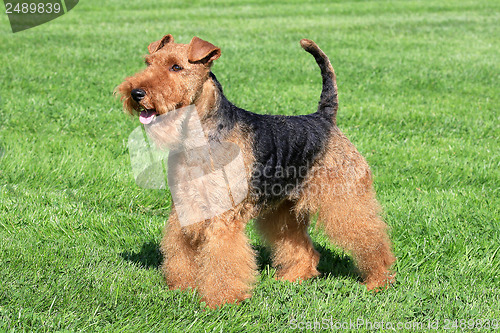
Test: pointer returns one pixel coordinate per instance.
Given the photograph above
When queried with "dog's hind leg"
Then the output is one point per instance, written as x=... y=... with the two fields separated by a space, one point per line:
x=349 y=214
x=292 y=250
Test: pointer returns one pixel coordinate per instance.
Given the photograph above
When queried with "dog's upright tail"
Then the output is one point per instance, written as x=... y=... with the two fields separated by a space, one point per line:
x=329 y=101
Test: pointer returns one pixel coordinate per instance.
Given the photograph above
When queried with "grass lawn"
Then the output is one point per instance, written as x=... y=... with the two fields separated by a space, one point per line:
x=419 y=97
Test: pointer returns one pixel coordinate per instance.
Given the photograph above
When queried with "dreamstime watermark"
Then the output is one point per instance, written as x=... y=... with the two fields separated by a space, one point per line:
x=26 y=14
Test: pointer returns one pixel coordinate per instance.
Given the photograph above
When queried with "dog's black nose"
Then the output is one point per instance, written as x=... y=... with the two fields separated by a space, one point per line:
x=138 y=94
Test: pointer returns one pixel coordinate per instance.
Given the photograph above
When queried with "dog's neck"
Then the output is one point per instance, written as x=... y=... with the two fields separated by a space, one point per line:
x=215 y=110
x=206 y=101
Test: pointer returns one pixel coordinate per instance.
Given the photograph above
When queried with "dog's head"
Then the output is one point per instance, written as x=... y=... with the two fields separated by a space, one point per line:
x=174 y=77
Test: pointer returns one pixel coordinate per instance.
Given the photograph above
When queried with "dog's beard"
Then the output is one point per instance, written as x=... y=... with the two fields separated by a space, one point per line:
x=176 y=129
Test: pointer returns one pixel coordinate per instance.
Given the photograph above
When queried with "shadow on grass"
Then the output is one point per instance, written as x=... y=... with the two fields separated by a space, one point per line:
x=330 y=263
x=148 y=257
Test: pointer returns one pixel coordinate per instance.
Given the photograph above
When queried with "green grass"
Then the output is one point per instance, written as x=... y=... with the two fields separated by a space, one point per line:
x=420 y=97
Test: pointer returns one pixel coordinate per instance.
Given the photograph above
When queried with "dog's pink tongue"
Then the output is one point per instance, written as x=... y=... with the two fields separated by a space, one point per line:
x=147 y=116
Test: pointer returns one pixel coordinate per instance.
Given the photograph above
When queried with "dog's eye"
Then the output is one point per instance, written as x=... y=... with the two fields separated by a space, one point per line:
x=147 y=62
x=176 y=68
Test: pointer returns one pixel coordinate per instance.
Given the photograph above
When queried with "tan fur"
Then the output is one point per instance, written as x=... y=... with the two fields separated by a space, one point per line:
x=340 y=188
x=286 y=231
x=214 y=256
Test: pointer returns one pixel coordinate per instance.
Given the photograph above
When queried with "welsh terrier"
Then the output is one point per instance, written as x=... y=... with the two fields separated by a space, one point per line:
x=294 y=167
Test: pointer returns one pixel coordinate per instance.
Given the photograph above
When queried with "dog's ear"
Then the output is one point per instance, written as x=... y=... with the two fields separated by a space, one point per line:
x=202 y=51
x=155 y=46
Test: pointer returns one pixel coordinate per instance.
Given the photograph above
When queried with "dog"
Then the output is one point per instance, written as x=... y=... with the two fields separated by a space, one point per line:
x=292 y=167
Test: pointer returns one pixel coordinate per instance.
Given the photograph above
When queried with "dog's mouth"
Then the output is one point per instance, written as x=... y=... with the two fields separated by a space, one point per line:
x=147 y=116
